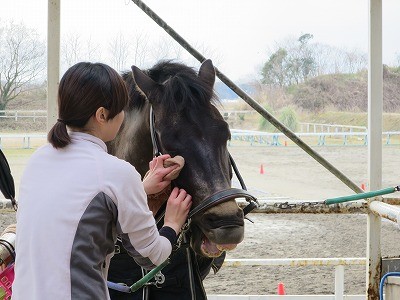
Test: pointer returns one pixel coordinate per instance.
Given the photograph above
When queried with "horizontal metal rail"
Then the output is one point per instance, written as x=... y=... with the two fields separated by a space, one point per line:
x=386 y=211
x=295 y=262
x=284 y=297
x=26 y=138
x=338 y=263
x=274 y=139
x=19 y=114
x=307 y=207
x=320 y=127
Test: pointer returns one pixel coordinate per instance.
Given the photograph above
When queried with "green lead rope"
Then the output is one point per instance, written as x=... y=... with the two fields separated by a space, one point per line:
x=140 y=283
x=360 y=196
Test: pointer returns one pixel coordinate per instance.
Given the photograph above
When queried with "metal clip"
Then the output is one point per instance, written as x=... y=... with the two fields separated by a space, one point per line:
x=310 y=204
x=184 y=229
x=286 y=205
x=160 y=279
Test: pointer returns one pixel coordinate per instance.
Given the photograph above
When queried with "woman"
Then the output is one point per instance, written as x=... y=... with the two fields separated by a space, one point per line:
x=75 y=198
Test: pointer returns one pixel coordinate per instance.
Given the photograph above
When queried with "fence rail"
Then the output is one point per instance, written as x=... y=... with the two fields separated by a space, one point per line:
x=252 y=137
x=23 y=114
x=275 y=139
x=23 y=139
x=338 y=263
x=320 y=127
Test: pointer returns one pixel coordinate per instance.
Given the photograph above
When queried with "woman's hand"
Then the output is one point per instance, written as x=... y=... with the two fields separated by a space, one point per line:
x=154 y=181
x=178 y=206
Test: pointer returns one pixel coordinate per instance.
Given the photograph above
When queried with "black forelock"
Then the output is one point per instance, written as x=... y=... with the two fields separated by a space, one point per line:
x=182 y=88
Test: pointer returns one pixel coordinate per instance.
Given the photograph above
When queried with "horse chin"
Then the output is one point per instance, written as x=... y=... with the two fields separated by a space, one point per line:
x=204 y=246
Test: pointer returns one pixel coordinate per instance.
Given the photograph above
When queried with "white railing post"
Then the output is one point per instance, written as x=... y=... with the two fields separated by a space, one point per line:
x=339 y=282
x=375 y=108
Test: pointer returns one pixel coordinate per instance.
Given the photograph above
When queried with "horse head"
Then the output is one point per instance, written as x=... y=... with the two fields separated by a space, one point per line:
x=186 y=123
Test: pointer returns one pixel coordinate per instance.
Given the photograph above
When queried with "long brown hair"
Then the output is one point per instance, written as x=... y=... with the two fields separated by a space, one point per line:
x=83 y=89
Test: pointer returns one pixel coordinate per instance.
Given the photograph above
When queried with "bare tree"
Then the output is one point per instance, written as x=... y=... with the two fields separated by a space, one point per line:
x=92 y=50
x=71 y=49
x=75 y=49
x=119 y=50
x=323 y=60
x=140 y=46
x=22 y=60
x=355 y=61
x=163 y=49
x=206 y=51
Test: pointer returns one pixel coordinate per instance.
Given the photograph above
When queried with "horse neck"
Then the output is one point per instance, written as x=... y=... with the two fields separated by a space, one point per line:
x=133 y=142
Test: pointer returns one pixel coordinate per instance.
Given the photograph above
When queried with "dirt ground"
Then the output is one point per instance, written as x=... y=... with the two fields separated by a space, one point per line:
x=289 y=172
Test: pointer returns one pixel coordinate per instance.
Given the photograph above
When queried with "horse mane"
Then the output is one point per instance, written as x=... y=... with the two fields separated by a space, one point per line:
x=182 y=89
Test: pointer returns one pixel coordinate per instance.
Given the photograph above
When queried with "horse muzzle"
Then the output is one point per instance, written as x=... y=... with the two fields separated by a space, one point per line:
x=218 y=222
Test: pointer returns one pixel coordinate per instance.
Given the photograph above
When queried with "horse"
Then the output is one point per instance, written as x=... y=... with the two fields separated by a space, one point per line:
x=172 y=110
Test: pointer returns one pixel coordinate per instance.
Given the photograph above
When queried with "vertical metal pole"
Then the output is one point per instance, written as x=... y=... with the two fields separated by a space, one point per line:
x=375 y=104
x=339 y=282
x=53 y=60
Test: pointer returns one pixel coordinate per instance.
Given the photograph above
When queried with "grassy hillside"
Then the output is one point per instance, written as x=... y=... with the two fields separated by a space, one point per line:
x=345 y=92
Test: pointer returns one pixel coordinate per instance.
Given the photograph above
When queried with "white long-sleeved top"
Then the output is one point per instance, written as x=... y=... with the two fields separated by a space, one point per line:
x=72 y=204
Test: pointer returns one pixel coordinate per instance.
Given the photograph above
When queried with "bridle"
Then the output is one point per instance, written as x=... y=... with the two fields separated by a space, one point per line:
x=215 y=199
x=218 y=197
x=210 y=201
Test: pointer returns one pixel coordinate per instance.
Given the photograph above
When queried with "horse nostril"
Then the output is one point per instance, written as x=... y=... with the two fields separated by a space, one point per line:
x=210 y=218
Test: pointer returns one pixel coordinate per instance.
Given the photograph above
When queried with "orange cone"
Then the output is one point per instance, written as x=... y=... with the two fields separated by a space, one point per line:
x=261 y=169
x=281 y=289
x=285 y=143
x=363 y=186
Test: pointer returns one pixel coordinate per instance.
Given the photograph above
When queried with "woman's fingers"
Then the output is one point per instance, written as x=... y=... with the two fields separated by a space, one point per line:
x=174 y=192
x=188 y=201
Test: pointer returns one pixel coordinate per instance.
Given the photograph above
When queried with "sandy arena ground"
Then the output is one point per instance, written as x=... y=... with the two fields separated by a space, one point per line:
x=289 y=172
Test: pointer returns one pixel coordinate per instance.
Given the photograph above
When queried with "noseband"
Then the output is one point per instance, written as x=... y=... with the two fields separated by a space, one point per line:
x=219 y=197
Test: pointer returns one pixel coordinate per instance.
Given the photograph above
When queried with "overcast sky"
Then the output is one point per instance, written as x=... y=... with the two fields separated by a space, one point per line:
x=237 y=33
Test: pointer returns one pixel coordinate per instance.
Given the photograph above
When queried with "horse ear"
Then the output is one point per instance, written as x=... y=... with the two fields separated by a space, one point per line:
x=144 y=82
x=207 y=72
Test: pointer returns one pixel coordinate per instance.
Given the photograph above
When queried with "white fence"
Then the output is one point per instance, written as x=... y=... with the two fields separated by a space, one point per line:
x=275 y=139
x=252 y=137
x=22 y=139
x=319 y=127
x=339 y=264
x=23 y=114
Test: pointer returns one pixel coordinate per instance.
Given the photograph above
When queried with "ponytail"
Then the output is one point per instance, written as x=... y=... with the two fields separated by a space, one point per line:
x=58 y=135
